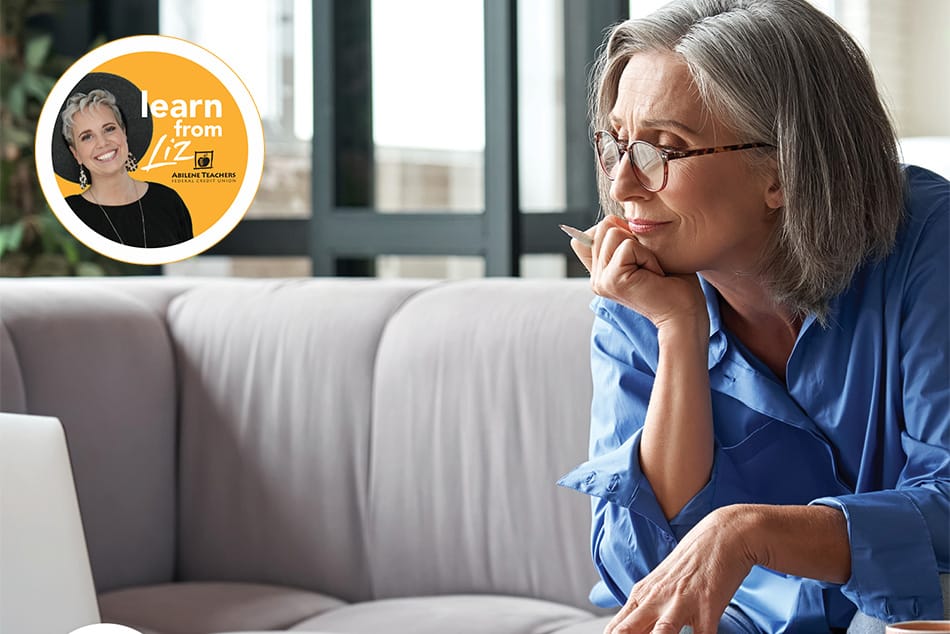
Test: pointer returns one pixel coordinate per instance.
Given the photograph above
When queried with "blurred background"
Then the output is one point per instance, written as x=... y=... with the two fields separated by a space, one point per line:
x=405 y=138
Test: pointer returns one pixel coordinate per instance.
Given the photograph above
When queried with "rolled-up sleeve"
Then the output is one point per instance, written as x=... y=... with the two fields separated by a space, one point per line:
x=893 y=565
x=630 y=533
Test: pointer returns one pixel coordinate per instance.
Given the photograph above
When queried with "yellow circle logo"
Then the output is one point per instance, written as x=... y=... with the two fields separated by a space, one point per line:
x=149 y=149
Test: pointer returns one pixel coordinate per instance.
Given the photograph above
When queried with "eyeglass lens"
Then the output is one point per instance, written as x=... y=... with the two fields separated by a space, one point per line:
x=647 y=161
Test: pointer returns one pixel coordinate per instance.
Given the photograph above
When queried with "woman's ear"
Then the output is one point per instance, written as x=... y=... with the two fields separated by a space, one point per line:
x=75 y=156
x=775 y=195
x=774 y=192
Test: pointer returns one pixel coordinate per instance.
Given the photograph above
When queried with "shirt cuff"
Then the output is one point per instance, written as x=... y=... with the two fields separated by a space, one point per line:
x=698 y=507
x=894 y=573
x=616 y=477
x=602 y=597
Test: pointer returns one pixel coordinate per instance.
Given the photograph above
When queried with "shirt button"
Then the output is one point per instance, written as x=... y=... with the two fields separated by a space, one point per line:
x=614 y=483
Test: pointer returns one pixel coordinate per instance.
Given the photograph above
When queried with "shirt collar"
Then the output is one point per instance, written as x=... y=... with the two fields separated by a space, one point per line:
x=717 y=338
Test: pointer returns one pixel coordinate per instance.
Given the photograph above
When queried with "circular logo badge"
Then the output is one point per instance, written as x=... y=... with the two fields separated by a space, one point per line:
x=105 y=628
x=149 y=149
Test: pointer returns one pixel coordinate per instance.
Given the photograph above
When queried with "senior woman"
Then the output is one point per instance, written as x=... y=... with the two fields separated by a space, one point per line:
x=118 y=207
x=770 y=356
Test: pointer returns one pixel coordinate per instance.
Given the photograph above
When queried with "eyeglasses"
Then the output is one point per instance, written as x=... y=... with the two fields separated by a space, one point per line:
x=650 y=163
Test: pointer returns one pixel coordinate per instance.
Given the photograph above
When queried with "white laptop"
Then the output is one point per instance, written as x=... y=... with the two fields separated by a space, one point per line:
x=46 y=583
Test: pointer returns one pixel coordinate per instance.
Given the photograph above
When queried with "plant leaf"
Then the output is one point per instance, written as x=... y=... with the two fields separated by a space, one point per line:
x=34 y=85
x=70 y=251
x=89 y=269
x=37 y=49
x=18 y=136
x=16 y=101
x=15 y=237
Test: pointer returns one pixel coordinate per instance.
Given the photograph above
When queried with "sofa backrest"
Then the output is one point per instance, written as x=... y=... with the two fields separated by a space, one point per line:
x=362 y=438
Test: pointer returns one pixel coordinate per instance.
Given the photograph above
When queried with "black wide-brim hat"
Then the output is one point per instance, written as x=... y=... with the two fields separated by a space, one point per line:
x=128 y=97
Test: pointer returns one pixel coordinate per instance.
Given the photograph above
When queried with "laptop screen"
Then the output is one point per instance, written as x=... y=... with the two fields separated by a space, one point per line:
x=46 y=583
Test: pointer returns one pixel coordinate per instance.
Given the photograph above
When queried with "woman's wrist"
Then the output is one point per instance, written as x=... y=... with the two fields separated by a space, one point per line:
x=685 y=332
x=747 y=527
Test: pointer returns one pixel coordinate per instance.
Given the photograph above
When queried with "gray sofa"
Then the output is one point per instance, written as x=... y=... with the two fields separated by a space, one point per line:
x=318 y=455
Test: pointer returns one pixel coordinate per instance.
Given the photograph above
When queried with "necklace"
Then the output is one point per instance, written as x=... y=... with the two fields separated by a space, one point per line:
x=141 y=212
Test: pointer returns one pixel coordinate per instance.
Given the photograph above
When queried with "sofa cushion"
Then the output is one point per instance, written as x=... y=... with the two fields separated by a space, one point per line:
x=482 y=401
x=596 y=626
x=276 y=379
x=12 y=391
x=99 y=359
x=200 y=608
x=458 y=614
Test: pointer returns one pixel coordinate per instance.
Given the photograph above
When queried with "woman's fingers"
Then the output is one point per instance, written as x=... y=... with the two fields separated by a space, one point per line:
x=676 y=620
x=621 y=616
x=606 y=242
x=613 y=231
x=623 y=270
x=586 y=252
x=582 y=252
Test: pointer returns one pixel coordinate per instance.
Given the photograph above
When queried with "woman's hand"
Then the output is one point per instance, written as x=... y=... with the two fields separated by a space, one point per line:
x=695 y=582
x=625 y=271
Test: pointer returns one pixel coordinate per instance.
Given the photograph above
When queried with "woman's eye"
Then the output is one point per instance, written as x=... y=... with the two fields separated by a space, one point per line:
x=85 y=137
x=670 y=143
x=110 y=128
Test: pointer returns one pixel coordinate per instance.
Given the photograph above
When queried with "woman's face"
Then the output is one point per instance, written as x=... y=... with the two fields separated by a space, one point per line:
x=715 y=212
x=99 y=142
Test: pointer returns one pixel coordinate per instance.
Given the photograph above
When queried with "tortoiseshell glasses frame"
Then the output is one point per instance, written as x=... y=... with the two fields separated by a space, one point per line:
x=650 y=163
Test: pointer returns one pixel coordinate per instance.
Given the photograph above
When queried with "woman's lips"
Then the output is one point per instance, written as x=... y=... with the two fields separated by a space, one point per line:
x=640 y=226
x=106 y=156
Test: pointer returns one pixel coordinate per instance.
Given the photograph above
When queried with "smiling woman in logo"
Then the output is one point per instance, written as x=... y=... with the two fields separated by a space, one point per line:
x=771 y=411
x=96 y=146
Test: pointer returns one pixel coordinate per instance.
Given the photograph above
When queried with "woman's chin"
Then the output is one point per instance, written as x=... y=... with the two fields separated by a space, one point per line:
x=672 y=265
x=109 y=173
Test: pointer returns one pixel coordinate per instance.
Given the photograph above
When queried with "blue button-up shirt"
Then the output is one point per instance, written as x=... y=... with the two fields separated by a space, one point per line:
x=861 y=424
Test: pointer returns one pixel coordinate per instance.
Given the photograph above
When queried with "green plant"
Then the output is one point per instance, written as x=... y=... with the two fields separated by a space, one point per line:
x=32 y=240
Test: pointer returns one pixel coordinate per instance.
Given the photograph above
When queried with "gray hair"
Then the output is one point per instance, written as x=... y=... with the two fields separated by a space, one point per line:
x=80 y=102
x=783 y=73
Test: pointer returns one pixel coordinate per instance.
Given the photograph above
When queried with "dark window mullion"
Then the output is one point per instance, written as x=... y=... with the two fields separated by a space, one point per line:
x=371 y=234
x=323 y=145
x=502 y=240
x=585 y=25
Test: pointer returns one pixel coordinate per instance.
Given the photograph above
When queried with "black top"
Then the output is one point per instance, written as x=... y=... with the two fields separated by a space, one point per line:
x=167 y=220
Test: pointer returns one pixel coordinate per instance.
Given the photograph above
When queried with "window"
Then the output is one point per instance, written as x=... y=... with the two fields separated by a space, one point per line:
x=428 y=95
x=447 y=139
x=277 y=70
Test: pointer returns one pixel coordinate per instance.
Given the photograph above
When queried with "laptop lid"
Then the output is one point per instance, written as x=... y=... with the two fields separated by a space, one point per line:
x=46 y=583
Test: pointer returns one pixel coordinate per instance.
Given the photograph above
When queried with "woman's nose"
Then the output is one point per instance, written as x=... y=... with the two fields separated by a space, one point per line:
x=626 y=185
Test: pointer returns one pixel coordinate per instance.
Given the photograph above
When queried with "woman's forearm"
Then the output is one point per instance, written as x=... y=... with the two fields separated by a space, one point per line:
x=805 y=541
x=676 y=449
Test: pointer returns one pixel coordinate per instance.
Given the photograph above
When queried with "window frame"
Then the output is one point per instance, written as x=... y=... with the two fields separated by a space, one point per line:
x=345 y=233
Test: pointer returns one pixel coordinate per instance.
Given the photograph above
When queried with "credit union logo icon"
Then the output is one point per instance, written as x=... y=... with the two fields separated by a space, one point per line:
x=204 y=160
